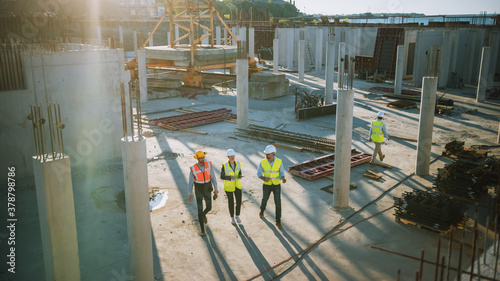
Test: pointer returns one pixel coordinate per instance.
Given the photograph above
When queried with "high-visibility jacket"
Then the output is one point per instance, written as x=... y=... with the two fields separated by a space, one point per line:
x=271 y=172
x=231 y=185
x=377 y=132
x=199 y=176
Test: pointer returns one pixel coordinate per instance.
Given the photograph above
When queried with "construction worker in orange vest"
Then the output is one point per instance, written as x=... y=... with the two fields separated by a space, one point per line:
x=271 y=172
x=377 y=134
x=203 y=176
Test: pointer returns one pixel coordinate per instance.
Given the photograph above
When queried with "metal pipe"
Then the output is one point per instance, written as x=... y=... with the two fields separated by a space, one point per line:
x=61 y=125
x=398 y=278
x=459 y=271
x=450 y=245
x=442 y=269
x=34 y=132
x=495 y=239
x=35 y=118
x=474 y=240
x=43 y=133
x=58 y=130
x=421 y=265
x=478 y=262
x=437 y=258
x=487 y=226
x=49 y=114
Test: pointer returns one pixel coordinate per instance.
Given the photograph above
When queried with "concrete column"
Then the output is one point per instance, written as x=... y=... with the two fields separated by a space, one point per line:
x=135 y=173
x=217 y=36
x=143 y=82
x=120 y=30
x=225 y=36
x=168 y=38
x=276 y=46
x=233 y=30
x=99 y=37
x=482 y=83
x=206 y=40
x=446 y=51
x=341 y=56
x=426 y=124
x=330 y=71
x=176 y=33
x=319 y=50
x=242 y=34
x=289 y=48
x=150 y=40
x=242 y=93
x=56 y=211
x=343 y=142
x=251 y=42
x=135 y=41
x=398 y=80
x=302 y=59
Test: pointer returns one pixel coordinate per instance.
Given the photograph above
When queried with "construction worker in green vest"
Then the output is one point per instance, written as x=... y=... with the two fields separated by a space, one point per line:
x=377 y=134
x=230 y=172
x=272 y=173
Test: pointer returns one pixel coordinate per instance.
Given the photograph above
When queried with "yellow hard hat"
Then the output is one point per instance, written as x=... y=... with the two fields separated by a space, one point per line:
x=199 y=154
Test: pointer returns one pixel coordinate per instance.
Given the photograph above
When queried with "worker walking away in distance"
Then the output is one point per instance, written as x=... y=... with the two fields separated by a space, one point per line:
x=377 y=134
x=202 y=175
x=271 y=172
x=230 y=172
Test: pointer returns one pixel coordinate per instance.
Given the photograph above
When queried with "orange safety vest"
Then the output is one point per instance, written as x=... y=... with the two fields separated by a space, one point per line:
x=199 y=176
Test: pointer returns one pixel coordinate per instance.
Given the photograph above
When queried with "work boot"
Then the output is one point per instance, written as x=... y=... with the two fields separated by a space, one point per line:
x=238 y=219
x=202 y=233
x=278 y=225
x=261 y=214
x=232 y=220
x=382 y=157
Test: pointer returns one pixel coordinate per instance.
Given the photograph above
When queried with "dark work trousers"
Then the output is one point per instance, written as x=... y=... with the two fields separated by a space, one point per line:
x=203 y=191
x=276 y=190
x=230 y=201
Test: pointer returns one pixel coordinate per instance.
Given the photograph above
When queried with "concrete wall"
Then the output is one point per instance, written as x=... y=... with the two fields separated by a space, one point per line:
x=86 y=84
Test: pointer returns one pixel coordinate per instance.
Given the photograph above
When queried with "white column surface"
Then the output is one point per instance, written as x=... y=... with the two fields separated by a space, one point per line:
x=276 y=43
x=482 y=84
x=135 y=41
x=251 y=42
x=398 y=80
x=143 y=82
x=217 y=35
x=329 y=73
x=120 y=30
x=319 y=50
x=242 y=93
x=302 y=58
x=426 y=124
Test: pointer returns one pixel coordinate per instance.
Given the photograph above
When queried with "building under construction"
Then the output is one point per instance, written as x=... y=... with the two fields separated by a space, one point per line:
x=102 y=116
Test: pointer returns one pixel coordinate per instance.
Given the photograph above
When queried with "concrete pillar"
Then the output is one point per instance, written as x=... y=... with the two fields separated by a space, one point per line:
x=330 y=71
x=400 y=60
x=302 y=59
x=426 y=124
x=150 y=40
x=251 y=42
x=99 y=36
x=276 y=46
x=343 y=142
x=341 y=56
x=217 y=36
x=143 y=82
x=135 y=173
x=176 y=33
x=120 y=30
x=56 y=211
x=482 y=84
x=225 y=36
x=233 y=30
x=205 y=41
x=289 y=48
x=242 y=34
x=168 y=38
x=242 y=93
x=319 y=50
x=446 y=52
x=135 y=41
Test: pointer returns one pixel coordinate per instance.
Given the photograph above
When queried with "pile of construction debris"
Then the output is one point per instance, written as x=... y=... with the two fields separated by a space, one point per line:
x=431 y=210
x=456 y=149
x=467 y=180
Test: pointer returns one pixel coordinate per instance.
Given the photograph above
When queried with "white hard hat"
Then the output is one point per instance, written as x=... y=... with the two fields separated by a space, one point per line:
x=380 y=114
x=270 y=149
x=230 y=152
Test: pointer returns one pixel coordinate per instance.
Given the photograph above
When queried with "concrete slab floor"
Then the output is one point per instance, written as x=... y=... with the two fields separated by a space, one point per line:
x=256 y=248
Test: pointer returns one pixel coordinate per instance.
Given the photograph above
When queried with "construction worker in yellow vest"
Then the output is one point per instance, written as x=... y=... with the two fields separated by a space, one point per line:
x=271 y=172
x=230 y=172
x=377 y=134
x=203 y=177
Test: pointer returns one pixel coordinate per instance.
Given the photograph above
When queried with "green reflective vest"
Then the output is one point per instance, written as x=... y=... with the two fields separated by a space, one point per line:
x=230 y=185
x=377 y=133
x=271 y=172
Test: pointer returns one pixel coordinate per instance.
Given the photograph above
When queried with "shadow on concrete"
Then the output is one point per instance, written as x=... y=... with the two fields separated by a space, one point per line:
x=220 y=264
x=258 y=259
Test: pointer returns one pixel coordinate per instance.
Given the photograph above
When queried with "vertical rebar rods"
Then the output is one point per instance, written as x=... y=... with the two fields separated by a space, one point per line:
x=133 y=91
x=124 y=110
x=55 y=131
x=138 y=108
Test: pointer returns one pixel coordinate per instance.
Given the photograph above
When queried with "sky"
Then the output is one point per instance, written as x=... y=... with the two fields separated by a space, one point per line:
x=428 y=7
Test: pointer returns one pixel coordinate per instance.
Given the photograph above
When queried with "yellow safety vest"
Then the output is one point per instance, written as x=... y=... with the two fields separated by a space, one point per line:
x=230 y=185
x=271 y=172
x=377 y=132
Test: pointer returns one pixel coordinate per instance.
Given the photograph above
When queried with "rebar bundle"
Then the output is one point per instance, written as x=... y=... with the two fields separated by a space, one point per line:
x=432 y=210
x=467 y=180
x=308 y=142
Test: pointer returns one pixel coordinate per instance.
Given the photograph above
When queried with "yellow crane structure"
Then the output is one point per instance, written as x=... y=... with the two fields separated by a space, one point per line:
x=192 y=16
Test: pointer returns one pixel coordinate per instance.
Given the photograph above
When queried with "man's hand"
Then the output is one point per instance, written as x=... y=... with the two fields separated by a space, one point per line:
x=284 y=180
x=388 y=139
x=216 y=192
x=370 y=139
x=233 y=178
x=190 y=198
x=266 y=179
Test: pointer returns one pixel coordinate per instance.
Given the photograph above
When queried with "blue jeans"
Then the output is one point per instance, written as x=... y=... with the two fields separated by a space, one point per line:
x=276 y=190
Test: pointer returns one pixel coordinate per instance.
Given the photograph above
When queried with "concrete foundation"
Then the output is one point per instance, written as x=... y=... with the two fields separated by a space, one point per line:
x=425 y=126
x=482 y=84
x=343 y=142
x=135 y=175
x=242 y=93
x=56 y=210
x=264 y=86
x=398 y=80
